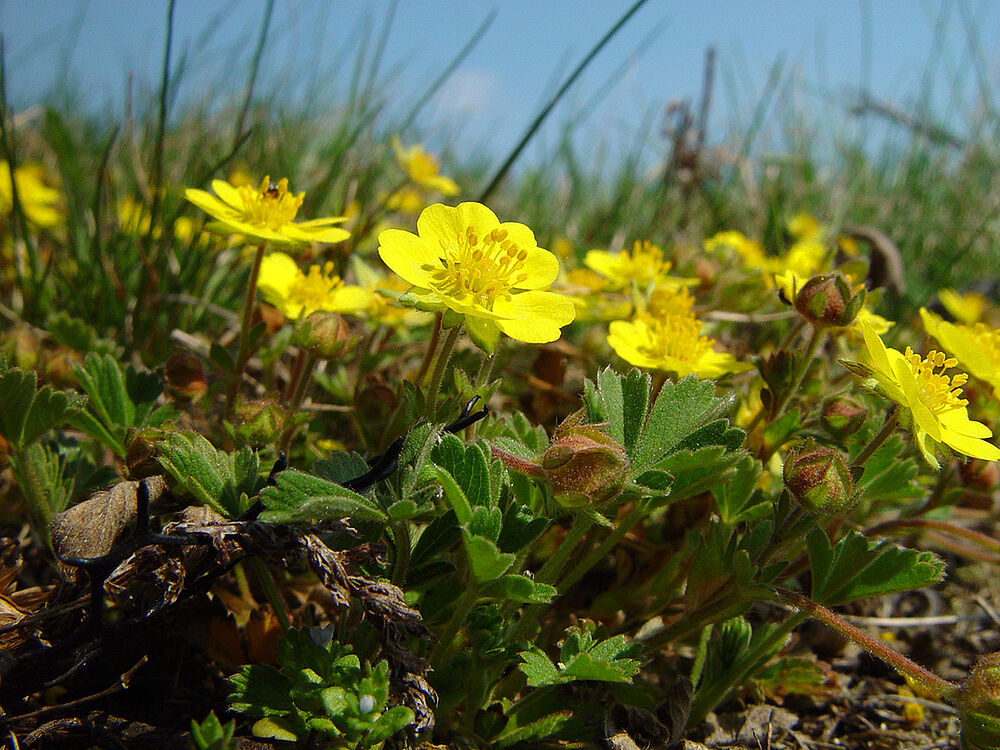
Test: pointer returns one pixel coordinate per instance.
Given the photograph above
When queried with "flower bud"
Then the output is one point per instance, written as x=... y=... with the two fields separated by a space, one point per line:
x=978 y=702
x=819 y=479
x=259 y=422
x=185 y=377
x=326 y=335
x=842 y=416
x=140 y=452
x=582 y=465
x=828 y=299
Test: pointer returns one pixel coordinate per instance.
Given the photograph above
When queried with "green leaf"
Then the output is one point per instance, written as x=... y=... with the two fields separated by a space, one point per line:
x=392 y=721
x=454 y=495
x=340 y=466
x=439 y=535
x=679 y=410
x=297 y=496
x=535 y=730
x=117 y=400
x=468 y=465
x=486 y=561
x=583 y=657
x=889 y=475
x=218 y=479
x=515 y=587
x=857 y=567
x=27 y=411
x=485 y=522
x=739 y=500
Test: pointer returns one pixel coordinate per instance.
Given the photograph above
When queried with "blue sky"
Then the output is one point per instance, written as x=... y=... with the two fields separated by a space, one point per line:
x=829 y=51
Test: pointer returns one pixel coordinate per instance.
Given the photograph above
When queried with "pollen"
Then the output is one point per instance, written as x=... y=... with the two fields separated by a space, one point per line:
x=271 y=204
x=484 y=267
x=938 y=392
x=646 y=262
x=313 y=289
x=675 y=336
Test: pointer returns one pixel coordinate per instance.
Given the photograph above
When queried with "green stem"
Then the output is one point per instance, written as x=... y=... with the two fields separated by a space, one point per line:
x=244 y=351
x=815 y=340
x=401 y=537
x=437 y=374
x=707 y=699
x=432 y=346
x=701 y=654
x=598 y=553
x=877 y=648
x=887 y=429
x=270 y=588
x=34 y=492
x=463 y=607
x=550 y=571
x=305 y=367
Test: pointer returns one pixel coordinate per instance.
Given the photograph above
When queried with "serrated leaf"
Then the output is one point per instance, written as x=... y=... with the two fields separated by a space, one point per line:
x=518 y=588
x=27 y=411
x=679 y=409
x=486 y=561
x=535 y=730
x=297 y=496
x=468 y=465
x=858 y=567
x=340 y=467
x=218 y=479
x=439 y=535
x=538 y=668
x=739 y=500
x=117 y=400
x=889 y=475
x=454 y=495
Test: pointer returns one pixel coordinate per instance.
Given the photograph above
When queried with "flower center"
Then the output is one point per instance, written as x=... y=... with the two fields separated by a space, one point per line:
x=938 y=392
x=484 y=267
x=314 y=289
x=676 y=336
x=987 y=339
x=645 y=262
x=270 y=205
x=670 y=301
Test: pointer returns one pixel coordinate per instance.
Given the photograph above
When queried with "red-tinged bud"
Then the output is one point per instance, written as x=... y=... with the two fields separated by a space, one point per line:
x=185 y=377
x=978 y=702
x=978 y=474
x=260 y=421
x=842 y=416
x=326 y=335
x=828 y=299
x=140 y=452
x=56 y=366
x=819 y=479
x=584 y=466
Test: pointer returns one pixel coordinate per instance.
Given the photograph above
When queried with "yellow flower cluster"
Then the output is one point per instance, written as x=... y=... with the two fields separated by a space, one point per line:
x=667 y=336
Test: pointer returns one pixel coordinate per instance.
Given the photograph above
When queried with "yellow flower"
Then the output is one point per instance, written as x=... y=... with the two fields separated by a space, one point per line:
x=264 y=214
x=671 y=342
x=462 y=258
x=299 y=294
x=587 y=289
x=423 y=168
x=930 y=402
x=407 y=200
x=805 y=227
x=967 y=308
x=39 y=201
x=976 y=346
x=751 y=251
x=645 y=265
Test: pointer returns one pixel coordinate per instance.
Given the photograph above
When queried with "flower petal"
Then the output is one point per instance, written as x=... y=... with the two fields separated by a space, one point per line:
x=534 y=317
x=444 y=223
x=541 y=267
x=408 y=255
x=277 y=274
x=228 y=194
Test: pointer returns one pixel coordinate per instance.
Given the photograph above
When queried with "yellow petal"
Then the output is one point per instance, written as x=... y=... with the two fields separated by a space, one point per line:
x=408 y=255
x=228 y=194
x=923 y=418
x=438 y=222
x=534 y=317
x=277 y=274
